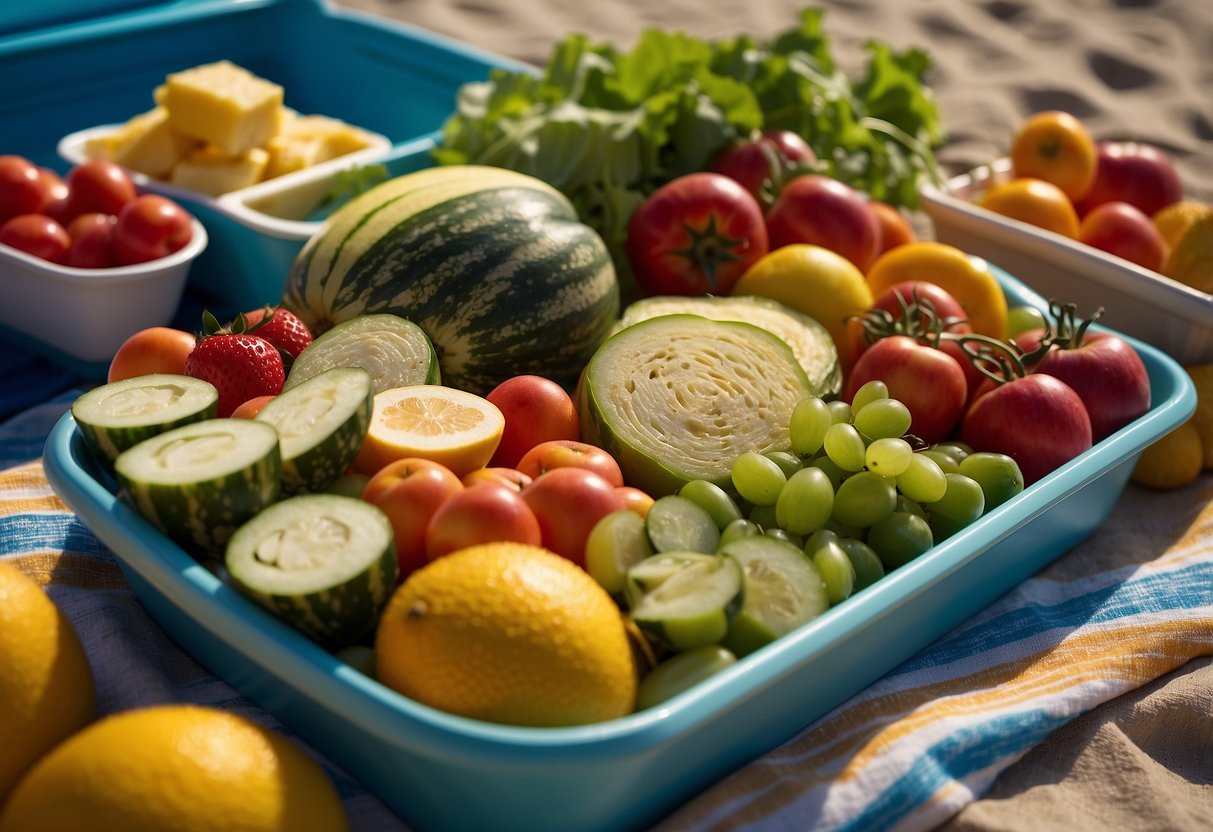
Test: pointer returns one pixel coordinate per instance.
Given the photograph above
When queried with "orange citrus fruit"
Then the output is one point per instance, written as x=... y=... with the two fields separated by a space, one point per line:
x=1035 y=202
x=1202 y=420
x=182 y=767
x=46 y=684
x=1174 y=220
x=816 y=281
x=1172 y=461
x=453 y=427
x=508 y=633
x=1190 y=261
x=964 y=276
x=1055 y=147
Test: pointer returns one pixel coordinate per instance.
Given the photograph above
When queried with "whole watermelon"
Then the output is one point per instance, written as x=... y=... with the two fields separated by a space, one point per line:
x=493 y=265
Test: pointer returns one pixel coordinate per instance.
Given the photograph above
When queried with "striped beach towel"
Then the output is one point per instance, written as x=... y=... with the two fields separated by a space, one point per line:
x=1127 y=606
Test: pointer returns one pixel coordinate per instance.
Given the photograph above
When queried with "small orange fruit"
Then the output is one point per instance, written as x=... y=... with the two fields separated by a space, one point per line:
x=1172 y=461
x=1035 y=202
x=1054 y=146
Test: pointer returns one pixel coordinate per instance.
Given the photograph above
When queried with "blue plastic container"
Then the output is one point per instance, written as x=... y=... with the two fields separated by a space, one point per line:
x=444 y=772
x=72 y=65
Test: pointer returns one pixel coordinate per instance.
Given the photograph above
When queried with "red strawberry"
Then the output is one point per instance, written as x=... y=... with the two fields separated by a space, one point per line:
x=240 y=365
x=280 y=327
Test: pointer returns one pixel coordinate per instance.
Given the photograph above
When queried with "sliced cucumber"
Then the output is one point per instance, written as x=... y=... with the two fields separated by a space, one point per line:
x=121 y=414
x=321 y=423
x=198 y=483
x=783 y=591
x=323 y=563
x=684 y=600
x=394 y=350
x=678 y=524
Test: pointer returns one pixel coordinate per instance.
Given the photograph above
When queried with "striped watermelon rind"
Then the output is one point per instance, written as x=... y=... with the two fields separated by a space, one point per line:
x=121 y=414
x=493 y=265
x=321 y=423
x=200 y=482
x=323 y=563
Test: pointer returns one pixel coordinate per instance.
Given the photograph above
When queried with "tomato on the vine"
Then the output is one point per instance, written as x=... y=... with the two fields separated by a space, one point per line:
x=695 y=235
x=763 y=162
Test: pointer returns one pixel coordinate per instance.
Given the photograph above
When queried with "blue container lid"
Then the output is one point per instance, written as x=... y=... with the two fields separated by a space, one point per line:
x=31 y=15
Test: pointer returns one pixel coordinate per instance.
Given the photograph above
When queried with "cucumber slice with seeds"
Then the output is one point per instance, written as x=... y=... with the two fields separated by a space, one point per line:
x=783 y=591
x=685 y=600
x=676 y=523
x=321 y=423
x=121 y=414
x=323 y=563
x=198 y=483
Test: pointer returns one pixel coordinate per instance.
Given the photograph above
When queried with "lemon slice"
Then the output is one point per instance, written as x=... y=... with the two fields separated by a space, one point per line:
x=451 y=427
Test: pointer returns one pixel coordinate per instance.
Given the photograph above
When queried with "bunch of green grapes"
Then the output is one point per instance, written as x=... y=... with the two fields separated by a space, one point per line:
x=713 y=573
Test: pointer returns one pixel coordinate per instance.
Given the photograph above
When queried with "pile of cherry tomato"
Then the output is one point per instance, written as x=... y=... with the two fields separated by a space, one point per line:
x=95 y=218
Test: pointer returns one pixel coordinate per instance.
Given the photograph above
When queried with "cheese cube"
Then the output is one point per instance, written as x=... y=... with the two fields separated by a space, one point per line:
x=310 y=140
x=209 y=170
x=145 y=144
x=223 y=105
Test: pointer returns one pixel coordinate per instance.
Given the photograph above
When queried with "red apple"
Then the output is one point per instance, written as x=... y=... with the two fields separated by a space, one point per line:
x=826 y=212
x=1139 y=174
x=536 y=409
x=570 y=453
x=1122 y=229
x=760 y=164
x=568 y=502
x=410 y=491
x=509 y=477
x=635 y=500
x=895 y=229
x=481 y=513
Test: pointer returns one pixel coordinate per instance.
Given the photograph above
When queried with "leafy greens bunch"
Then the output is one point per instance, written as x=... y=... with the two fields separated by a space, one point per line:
x=608 y=127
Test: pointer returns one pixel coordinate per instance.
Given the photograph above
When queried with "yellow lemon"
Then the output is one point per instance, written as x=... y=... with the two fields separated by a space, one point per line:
x=508 y=633
x=46 y=685
x=816 y=281
x=181 y=767
x=453 y=427
x=964 y=276
x=1174 y=220
x=1202 y=420
x=1191 y=260
x=1172 y=461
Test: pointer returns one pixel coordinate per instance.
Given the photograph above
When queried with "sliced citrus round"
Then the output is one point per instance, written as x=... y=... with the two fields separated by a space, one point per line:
x=453 y=427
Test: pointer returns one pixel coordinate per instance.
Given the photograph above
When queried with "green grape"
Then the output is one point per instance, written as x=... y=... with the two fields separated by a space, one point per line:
x=764 y=517
x=788 y=462
x=899 y=538
x=963 y=500
x=713 y=499
x=842 y=529
x=786 y=536
x=681 y=672
x=923 y=481
x=888 y=456
x=864 y=560
x=845 y=446
x=997 y=474
x=946 y=462
x=909 y=506
x=1022 y=319
x=883 y=418
x=615 y=544
x=957 y=450
x=807 y=428
x=944 y=527
x=840 y=411
x=805 y=503
x=864 y=498
x=836 y=571
x=757 y=478
x=737 y=530
x=830 y=468
x=869 y=392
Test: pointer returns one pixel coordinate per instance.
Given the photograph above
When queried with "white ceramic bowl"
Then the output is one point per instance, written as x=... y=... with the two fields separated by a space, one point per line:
x=1165 y=313
x=84 y=315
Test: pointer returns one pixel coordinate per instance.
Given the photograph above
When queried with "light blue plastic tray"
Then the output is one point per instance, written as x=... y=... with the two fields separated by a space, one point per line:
x=443 y=772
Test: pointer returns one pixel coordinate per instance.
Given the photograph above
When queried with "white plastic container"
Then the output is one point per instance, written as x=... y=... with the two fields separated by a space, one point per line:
x=1136 y=301
x=82 y=316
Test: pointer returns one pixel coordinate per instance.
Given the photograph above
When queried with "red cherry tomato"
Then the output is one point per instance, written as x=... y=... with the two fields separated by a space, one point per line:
x=97 y=186
x=55 y=189
x=150 y=227
x=21 y=188
x=38 y=235
x=695 y=235
x=927 y=381
x=92 y=245
x=762 y=163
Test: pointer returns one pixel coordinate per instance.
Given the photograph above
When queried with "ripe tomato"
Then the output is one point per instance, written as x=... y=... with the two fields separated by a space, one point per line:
x=762 y=163
x=150 y=227
x=895 y=229
x=827 y=212
x=92 y=245
x=1056 y=147
x=927 y=381
x=38 y=235
x=695 y=235
x=157 y=349
x=22 y=190
x=1035 y=202
x=99 y=186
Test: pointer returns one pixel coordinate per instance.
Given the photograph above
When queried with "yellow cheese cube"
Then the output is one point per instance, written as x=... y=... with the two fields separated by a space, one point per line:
x=223 y=105
x=310 y=140
x=145 y=144
x=209 y=170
